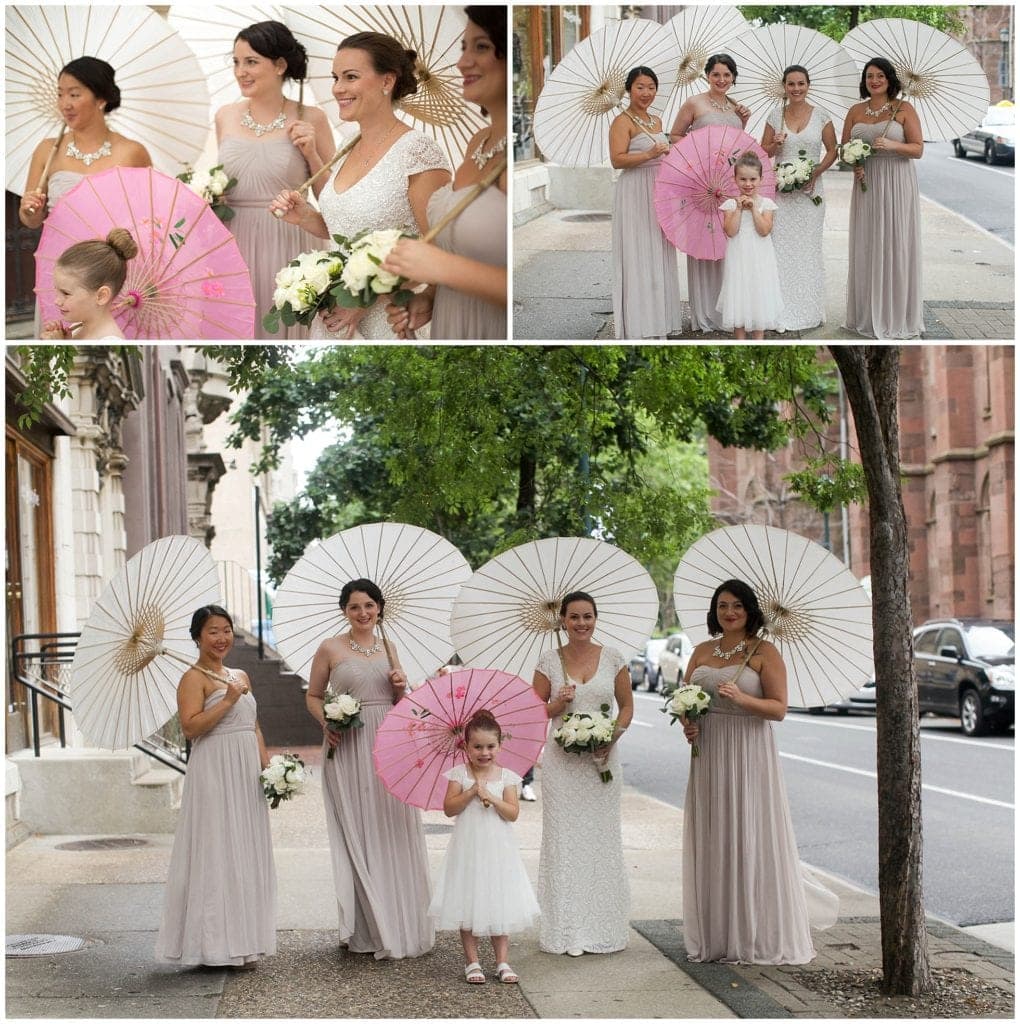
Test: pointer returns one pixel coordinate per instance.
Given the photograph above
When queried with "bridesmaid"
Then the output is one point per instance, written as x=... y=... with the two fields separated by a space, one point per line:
x=377 y=844
x=267 y=143
x=704 y=277
x=884 y=280
x=746 y=898
x=467 y=264
x=220 y=904
x=646 y=288
x=793 y=126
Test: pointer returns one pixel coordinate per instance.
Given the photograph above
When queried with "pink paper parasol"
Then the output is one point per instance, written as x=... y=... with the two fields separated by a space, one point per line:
x=695 y=178
x=422 y=737
x=188 y=280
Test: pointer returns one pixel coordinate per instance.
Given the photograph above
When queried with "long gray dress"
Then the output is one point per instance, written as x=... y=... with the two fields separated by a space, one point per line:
x=220 y=903
x=61 y=182
x=704 y=277
x=479 y=233
x=646 y=286
x=377 y=844
x=883 y=288
x=745 y=896
x=262 y=169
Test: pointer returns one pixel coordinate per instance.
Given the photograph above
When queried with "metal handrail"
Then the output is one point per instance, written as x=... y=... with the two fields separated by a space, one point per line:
x=58 y=649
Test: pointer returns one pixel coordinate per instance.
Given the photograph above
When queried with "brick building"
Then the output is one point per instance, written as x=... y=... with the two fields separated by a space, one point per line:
x=988 y=34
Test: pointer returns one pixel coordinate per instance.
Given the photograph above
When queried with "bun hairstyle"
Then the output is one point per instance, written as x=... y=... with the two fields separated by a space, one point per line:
x=482 y=721
x=796 y=67
x=98 y=77
x=492 y=21
x=204 y=614
x=274 y=40
x=578 y=595
x=388 y=57
x=747 y=597
x=894 y=87
x=722 y=58
x=748 y=159
x=101 y=262
x=635 y=73
x=362 y=586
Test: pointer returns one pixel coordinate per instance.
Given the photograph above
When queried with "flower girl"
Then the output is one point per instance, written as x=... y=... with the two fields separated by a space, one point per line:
x=750 y=298
x=483 y=888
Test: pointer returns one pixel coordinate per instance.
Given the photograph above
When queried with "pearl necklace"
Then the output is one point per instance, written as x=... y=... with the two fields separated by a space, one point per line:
x=726 y=655
x=877 y=113
x=88 y=159
x=367 y=651
x=249 y=122
x=482 y=156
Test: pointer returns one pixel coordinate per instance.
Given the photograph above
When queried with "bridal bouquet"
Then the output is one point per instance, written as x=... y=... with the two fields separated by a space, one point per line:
x=342 y=711
x=792 y=175
x=690 y=702
x=582 y=732
x=856 y=151
x=212 y=186
x=363 y=278
x=283 y=778
x=308 y=283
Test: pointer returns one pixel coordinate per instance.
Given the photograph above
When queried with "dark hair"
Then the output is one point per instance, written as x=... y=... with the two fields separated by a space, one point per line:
x=482 y=721
x=274 y=40
x=578 y=595
x=721 y=58
x=100 y=261
x=635 y=73
x=747 y=597
x=797 y=67
x=388 y=57
x=748 y=159
x=365 y=587
x=894 y=87
x=204 y=614
x=97 y=76
x=491 y=19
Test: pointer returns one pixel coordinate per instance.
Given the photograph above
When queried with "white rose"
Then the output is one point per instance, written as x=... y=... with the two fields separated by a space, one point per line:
x=384 y=281
x=274 y=774
x=218 y=182
x=332 y=711
x=317 y=277
x=357 y=272
x=348 y=704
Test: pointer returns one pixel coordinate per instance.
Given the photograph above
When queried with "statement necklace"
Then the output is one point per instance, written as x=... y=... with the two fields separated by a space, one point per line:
x=367 y=651
x=88 y=158
x=877 y=113
x=482 y=156
x=725 y=105
x=719 y=653
x=249 y=122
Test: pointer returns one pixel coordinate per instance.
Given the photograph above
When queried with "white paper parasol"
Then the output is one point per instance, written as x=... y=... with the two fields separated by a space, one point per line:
x=128 y=662
x=817 y=612
x=940 y=77
x=417 y=571
x=763 y=54
x=507 y=614
x=164 y=98
x=585 y=91
x=700 y=32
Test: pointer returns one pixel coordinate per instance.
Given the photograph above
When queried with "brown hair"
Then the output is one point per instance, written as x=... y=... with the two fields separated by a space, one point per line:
x=748 y=159
x=482 y=721
x=100 y=262
x=388 y=57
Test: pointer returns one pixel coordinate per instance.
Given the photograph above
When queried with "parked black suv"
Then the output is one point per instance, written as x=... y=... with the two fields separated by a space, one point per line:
x=966 y=667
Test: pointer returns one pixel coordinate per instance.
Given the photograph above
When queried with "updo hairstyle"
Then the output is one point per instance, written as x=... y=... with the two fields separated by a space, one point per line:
x=99 y=262
x=388 y=57
x=796 y=67
x=748 y=159
x=482 y=721
x=577 y=595
x=635 y=73
x=722 y=58
x=274 y=40
x=98 y=77
x=204 y=614
x=365 y=587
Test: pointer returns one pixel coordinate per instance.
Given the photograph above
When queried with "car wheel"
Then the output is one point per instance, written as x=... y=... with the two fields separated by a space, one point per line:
x=972 y=717
x=990 y=153
x=651 y=683
x=960 y=151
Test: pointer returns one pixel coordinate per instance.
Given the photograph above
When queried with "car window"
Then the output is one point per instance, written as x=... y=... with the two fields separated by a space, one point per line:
x=924 y=643
x=951 y=637
x=988 y=642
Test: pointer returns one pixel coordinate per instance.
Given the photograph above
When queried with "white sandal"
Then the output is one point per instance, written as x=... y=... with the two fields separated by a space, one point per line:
x=506 y=974
x=473 y=974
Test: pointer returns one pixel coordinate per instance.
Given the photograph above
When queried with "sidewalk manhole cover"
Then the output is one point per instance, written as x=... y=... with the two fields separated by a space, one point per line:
x=113 y=843
x=43 y=945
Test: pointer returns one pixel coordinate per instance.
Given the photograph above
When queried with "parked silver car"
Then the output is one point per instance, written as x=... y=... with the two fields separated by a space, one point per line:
x=673 y=662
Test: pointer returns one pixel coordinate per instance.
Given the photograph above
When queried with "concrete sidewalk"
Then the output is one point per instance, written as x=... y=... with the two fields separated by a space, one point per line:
x=112 y=897
x=563 y=276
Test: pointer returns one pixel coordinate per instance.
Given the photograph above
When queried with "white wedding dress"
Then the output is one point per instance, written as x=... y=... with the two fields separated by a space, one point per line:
x=379 y=200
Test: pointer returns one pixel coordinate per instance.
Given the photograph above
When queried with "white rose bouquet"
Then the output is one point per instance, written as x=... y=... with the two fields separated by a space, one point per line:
x=793 y=175
x=690 y=702
x=283 y=778
x=363 y=278
x=342 y=711
x=308 y=283
x=582 y=733
x=856 y=151
x=212 y=186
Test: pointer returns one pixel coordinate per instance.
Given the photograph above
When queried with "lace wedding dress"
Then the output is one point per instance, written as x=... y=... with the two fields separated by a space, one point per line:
x=379 y=200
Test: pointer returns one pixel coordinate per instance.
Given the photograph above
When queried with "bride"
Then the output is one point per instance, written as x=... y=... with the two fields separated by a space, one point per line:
x=384 y=182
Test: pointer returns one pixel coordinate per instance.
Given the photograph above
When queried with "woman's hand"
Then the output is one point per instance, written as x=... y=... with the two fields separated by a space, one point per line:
x=659 y=149
x=883 y=143
x=332 y=736
x=234 y=692
x=743 y=112
x=33 y=202
x=778 y=139
x=691 y=730
x=859 y=172
x=566 y=692
x=412 y=258
x=405 y=320
x=341 y=321
x=302 y=134
x=292 y=205
x=732 y=692
x=398 y=680
x=808 y=187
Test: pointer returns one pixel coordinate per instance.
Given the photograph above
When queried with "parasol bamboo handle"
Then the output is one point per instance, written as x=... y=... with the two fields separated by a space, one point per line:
x=45 y=177
x=386 y=647
x=306 y=185
x=476 y=190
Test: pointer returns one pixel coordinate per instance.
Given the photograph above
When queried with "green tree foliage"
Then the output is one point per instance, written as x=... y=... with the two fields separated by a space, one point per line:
x=836 y=20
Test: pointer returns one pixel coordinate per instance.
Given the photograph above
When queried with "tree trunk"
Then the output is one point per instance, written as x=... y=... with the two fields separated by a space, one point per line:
x=526 y=491
x=871 y=377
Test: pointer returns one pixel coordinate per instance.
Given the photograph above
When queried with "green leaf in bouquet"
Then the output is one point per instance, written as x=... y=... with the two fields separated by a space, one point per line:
x=271 y=321
x=401 y=297
x=345 y=299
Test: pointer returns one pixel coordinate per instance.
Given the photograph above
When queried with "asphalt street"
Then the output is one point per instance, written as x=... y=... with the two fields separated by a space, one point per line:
x=829 y=768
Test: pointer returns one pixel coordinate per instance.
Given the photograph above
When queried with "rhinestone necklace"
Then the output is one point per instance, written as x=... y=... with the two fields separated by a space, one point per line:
x=88 y=158
x=877 y=113
x=719 y=653
x=251 y=124
x=367 y=651
x=482 y=156
x=650 y=123
x=725 y=105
